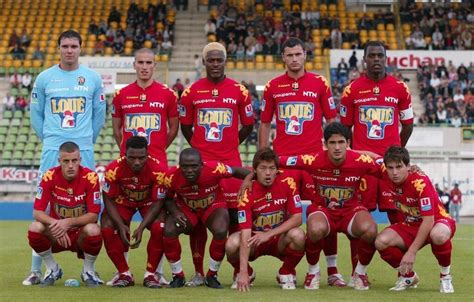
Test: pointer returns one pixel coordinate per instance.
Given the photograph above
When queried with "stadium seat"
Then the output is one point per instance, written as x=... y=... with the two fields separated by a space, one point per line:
x=8 y=114
x=230 y=65
x=240 y=65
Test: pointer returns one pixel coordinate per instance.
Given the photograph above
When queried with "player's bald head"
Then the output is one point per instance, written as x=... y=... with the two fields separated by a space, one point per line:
x=144 y=50
x=190 y=153
x=214 y=46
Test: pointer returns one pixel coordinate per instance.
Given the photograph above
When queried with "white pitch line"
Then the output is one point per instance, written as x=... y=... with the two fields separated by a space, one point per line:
x=463 y=239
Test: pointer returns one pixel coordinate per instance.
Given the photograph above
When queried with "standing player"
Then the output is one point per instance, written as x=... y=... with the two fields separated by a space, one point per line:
x=67 y=104
x=299 y=100
x=374 y=105
x=146 y=108
x=131 y=185
x=426 y=222
x=72 y=193
x=194 y=196
x=337 y=173
x=269 y=219
x=210 y=112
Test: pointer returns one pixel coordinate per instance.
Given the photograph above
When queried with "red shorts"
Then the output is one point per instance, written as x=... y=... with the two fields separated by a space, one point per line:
x=74 y=247
x=338 y=219
x=200 y=215
x=375 y=192
x=127 y=212
x=230 y=187
x=408 y=231
x=269 y=248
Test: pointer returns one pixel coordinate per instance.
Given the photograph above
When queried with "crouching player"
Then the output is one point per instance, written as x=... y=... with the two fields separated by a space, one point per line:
x=269 y=219
x=426 y=222
x=193 y=195
x=73 y=195
x=131 y=185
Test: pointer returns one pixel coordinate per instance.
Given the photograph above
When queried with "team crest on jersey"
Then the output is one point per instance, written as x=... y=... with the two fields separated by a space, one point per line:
x=215 y=93
x=214 y=120
x=376 y=90
x=335 y=193
x=143 y=125
x=294 y=114
x=81 y=80
x=376 y=118
x=68 y=109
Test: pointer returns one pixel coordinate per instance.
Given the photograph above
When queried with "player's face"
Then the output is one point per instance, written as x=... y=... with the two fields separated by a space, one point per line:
x=337 y=145
x=69 y=163
x=294 y=58
x=190 y=167
x=375 y=60
x=136 y=158
x=70 y=49
x=215 y=64
x=397 y=171
x=144 y=65
x=266 y=172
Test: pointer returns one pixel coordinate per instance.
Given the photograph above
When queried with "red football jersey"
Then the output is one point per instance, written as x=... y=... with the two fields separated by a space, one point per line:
x=203 y=192
x=299 y=106
x=268 y=207
x=145 y=112
x=130 y=188
x=68 y=199
x=293 y=177
x=214 y=111
x=416 y=198
x=335 y=183
x=375 y=110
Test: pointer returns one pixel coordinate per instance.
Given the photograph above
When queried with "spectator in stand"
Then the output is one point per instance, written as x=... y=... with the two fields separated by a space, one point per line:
x=14 y=39
x=342 y=71
x=240 y=53
x=354 y=74
x=441 y=114
x=25 y=39
x=8 y=102
x=197 y=67
x=365 y=23
x=456 y=202
x=456 y=120
x=458 y=96
x=210 y=28
x=18 y=53
x=178 y=87
x=167 y=45
x=326 y=42
x=250 y=52
x=15 y=80
x=187 y=83
x=26 y=80
x=435 y=82
x=353 y=60
x=21 y=103
x=38 y=54
x=336 y=39
x=114 y=16
x=99 y=47
x=437 y=39
x=469 y=97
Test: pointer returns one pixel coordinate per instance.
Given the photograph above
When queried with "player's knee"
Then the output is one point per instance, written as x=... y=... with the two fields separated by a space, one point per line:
x=105 y=221
x=37 y=227
x=232 y=244
x=381 y=242
x=317 y=232
x=439 y=237
x=91 y=229
x=297 y=236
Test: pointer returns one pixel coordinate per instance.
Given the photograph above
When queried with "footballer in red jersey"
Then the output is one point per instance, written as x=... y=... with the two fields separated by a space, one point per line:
x=374 y=105
x=337 y=173
x=194 y=196
x=131 y=185
x=72 y=193
x=426 y=222
x=269 y=219
x=145 y=108
x=299 y=100
x=211 y=112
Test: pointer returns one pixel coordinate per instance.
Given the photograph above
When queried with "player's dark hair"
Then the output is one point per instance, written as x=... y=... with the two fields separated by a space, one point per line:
x=290 y=43
x=136 y=142
x=69 y=34
x=265 y=154
x=190 y=152
x=336 y=128
x=375 y=43
x=397 y=154
x=68 y=147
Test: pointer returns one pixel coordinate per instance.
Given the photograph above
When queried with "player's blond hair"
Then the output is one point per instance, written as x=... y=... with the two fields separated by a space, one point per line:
x=213 y=46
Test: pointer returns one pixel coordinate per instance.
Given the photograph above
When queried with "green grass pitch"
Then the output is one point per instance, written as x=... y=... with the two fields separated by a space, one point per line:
x=15 y=262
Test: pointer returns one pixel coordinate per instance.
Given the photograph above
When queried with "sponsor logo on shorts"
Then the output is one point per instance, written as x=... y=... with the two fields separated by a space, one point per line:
x=242 y=216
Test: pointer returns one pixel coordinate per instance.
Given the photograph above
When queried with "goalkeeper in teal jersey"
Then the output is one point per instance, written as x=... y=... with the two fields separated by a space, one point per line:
x=67 y=104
